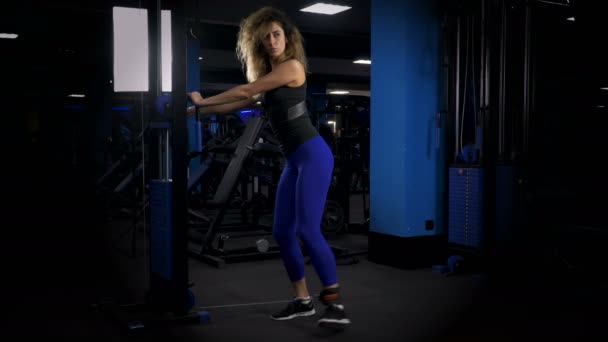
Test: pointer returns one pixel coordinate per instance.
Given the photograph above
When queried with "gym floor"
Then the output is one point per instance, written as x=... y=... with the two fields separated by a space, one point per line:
x=53 y=297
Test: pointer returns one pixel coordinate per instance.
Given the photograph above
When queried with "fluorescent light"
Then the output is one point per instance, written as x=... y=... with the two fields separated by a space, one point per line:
x=600 y=106
x=8 y=36
x=322 y=8
x=165 y=52
x=200 y=58
x=130 y=36
x=362 y=61
x=339 y=92
x=75 y=95
x=571 y=19
x=605 y=88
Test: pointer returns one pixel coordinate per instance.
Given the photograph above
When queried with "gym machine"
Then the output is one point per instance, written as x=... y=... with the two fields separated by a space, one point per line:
x=208 y=242
x=169 y=299
x=343 y=121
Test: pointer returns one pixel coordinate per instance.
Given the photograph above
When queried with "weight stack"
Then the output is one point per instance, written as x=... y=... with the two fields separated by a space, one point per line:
x=465 y=203
x=161 y=226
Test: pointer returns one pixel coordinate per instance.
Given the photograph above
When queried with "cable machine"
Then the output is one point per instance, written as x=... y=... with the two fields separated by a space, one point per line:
x=169 y=299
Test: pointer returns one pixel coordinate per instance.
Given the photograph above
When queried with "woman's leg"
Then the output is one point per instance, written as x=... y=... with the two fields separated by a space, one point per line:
x=301 y=198
x=285 y=234
x=314 y=161
x=284 y=230
x=315 y=168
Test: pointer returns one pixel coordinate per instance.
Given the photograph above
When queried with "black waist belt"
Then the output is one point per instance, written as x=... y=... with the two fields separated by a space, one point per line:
x=294 y=111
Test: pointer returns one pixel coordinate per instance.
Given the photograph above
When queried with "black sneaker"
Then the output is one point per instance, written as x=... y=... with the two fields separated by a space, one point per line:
x=295 y=308
x=334 y=317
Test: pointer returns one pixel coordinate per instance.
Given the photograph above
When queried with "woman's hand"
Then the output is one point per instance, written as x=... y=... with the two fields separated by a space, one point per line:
x=196 y=98
x=191 y=110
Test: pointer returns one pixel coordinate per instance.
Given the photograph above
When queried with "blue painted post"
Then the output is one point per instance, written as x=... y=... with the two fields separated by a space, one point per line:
x=408 y=168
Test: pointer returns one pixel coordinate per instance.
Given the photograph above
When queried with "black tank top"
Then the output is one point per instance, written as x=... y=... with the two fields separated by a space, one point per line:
x=290 y=133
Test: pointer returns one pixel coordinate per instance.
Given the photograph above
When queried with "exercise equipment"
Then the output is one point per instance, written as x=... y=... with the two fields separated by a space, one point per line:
x=262 y=245
x=343 y=122
x=333 y=217
x=208 y=243
x=162 y=105
x=466 y=176
x=169 y=299
x=455 y=265
x=465 y=209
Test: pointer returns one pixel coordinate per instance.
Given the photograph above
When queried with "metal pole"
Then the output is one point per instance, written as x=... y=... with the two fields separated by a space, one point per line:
x=167 y=143
x=502 y=90
x=527 y=79
x=179 y=34
x=482 y=76
x=457 y=89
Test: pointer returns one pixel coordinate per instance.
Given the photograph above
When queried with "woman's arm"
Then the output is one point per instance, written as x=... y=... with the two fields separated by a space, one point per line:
x=223 y=108
x=286 y=73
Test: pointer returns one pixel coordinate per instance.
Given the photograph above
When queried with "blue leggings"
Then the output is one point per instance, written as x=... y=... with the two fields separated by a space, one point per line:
x=300 y=202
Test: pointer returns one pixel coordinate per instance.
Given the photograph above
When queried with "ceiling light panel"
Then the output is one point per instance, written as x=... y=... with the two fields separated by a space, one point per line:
x=322 y=8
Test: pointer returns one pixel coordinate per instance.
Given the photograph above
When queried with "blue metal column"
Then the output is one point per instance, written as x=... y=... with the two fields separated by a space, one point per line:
x=408 y=167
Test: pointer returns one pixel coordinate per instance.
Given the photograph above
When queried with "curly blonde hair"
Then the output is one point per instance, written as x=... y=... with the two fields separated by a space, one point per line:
x=249 y=48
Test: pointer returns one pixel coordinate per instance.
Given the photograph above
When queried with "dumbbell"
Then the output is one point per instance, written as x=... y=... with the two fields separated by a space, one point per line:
x=262 y=245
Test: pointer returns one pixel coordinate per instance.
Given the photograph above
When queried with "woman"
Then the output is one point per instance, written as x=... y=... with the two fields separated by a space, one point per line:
x=271 y=51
